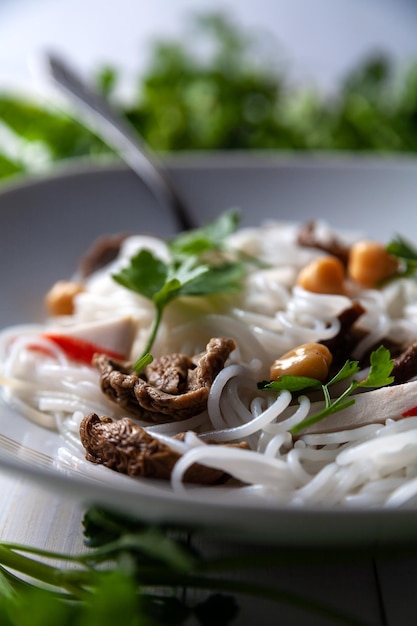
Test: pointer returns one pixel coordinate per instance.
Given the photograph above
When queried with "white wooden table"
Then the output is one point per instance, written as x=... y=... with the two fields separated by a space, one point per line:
x=376 y=592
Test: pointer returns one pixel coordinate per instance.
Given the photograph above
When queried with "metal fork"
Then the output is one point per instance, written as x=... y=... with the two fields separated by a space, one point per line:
x=118 y=134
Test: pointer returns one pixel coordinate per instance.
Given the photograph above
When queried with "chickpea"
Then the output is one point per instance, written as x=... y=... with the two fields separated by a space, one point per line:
x=310 y=359
x=60 y=298
x=323 y=275
x=369 y=263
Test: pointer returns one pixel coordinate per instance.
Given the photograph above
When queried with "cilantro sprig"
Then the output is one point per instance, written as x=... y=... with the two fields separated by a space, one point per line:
x=131 y=574
x=379 y=375
x=406 y=253
x=188 y=273
x=211 y=236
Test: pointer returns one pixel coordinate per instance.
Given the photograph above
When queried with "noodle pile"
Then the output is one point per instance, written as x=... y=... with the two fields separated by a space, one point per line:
x=374 y=464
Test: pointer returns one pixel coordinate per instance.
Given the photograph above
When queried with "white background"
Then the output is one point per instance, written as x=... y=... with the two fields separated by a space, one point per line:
x=320 y=39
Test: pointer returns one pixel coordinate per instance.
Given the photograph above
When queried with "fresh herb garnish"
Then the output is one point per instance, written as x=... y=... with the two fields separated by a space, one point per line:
x=131 y=574
x=142 y=362
x=186 y=274
x=406 y=253
x=210 y=237
x=232 y=97
x=379 y=376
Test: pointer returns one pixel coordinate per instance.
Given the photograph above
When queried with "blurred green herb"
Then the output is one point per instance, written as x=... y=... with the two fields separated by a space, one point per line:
x=218 y=87
x=210 y=237
x=406 y=253
x=133 y=573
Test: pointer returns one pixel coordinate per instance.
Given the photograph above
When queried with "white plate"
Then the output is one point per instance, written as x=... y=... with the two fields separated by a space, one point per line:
x=46 y=224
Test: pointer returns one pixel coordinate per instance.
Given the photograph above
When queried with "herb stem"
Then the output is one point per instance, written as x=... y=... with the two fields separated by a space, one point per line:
x=72 y=581
x=58 y=556
x=192 y=581
x=153 y=331
x=76 y=584
x=333 y=408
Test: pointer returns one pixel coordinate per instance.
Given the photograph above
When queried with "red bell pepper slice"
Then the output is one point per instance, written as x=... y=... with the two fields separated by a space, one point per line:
x=80 y=349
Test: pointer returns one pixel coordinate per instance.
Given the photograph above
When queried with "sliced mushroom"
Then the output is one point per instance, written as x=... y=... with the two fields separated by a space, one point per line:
x=405 y=365
x=125 y=447
x=173 y=387
x=309 y=236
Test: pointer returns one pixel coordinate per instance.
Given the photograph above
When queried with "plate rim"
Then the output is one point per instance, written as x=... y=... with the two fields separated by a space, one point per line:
x=373 y=518
x=87 y=166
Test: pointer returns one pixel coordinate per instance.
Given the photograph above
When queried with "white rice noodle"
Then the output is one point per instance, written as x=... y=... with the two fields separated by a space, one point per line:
x=312 y=317
x=254 y=424
x=405 y=493
x=194 y=423
x=363 y=456
x=245 y=465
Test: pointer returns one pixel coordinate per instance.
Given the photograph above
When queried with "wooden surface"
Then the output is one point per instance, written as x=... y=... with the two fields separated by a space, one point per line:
x=357 y=589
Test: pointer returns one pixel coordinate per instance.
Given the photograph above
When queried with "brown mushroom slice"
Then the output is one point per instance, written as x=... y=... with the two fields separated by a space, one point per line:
x=405 y=365
x=309 y=236
x=173 y=387
x=127 y=448
x=103 y=251
x=349 y=335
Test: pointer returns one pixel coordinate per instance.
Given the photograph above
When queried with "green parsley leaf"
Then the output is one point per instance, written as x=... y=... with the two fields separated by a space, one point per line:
x=290 y=383
x=402 y=249
x=305 y=383
x=184 y=275
x=381 y=368
x=406 y=253
x=213 y=238
x=210 y=237
x=379 y=376
x=225 y=278
x=146 y=274
x=188 y=272
x=349 y=369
